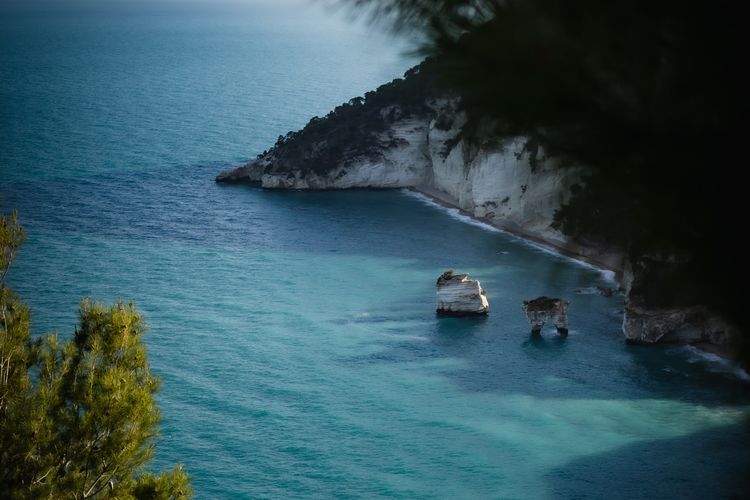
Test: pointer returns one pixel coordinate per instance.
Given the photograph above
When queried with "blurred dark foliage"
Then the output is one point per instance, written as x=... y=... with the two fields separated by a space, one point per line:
x=650 y=95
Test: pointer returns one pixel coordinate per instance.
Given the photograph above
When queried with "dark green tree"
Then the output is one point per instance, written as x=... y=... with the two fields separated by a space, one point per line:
x=78 y=418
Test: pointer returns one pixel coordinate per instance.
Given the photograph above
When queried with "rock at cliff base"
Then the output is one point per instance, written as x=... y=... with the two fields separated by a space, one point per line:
x=542 y=309
x=680 y=325
x=457 y=295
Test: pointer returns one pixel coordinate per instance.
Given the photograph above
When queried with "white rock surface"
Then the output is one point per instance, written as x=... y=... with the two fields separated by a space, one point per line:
x=460 y=296
x=503 y=185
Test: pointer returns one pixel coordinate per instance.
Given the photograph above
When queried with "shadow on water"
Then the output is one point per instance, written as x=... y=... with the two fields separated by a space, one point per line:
x=545 y=347
x=498 y=354
x=660 y=369
x=452 y=337
x=458 y=330
x=659 y=469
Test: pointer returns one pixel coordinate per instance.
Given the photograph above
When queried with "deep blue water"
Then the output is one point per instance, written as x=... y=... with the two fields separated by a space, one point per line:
x=295 y=332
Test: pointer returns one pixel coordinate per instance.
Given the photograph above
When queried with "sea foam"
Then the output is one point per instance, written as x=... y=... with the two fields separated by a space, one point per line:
x=606 y=274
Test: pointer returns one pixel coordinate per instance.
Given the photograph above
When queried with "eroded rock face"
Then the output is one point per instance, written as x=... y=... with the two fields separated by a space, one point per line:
x=661 y=307
x=457 y=295
x=542 y=309
x=681 y=325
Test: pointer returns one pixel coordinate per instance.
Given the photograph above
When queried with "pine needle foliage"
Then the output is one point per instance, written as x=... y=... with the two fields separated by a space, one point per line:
x=77 y=418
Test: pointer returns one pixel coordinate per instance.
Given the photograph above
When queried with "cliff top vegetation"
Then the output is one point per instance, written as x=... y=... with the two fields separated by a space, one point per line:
x=352 y=130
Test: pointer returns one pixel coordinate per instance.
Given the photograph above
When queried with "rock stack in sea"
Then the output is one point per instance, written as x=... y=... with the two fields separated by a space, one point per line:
x=542 y=309
x=457 y=295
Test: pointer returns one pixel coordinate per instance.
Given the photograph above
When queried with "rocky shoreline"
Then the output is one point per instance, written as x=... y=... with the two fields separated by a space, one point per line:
x=407 y=134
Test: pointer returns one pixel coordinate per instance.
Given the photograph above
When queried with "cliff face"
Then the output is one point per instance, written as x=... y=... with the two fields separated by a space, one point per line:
x=509 y=184
x=409 y=134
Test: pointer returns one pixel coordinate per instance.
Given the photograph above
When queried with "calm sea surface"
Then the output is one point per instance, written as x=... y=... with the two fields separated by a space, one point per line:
x=295 y=332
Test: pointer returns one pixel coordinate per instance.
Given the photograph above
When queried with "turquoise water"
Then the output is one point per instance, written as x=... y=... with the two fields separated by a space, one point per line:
x=295 y=331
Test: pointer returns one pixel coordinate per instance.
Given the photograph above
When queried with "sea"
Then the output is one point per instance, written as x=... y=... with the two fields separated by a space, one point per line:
x=295 y=332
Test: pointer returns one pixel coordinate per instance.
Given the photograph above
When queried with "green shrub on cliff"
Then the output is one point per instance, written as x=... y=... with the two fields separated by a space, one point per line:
x=78 y=418
x=352 y=130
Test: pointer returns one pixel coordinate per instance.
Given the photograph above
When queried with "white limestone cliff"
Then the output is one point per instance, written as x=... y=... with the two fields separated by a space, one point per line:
x=510 y=184
x=503 y=184
x=499 y=185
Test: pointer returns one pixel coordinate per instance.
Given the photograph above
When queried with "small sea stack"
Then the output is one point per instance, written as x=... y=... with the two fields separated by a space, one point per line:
x=457 y=295
x=542 y=309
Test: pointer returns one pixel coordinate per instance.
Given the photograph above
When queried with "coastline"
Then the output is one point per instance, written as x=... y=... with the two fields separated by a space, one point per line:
x=445 y=200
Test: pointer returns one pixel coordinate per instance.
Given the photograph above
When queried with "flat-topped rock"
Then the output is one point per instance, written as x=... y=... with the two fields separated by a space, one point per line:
x=457 y=295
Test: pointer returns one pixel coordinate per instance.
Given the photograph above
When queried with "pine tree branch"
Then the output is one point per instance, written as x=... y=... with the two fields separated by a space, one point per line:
x=89 y=493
